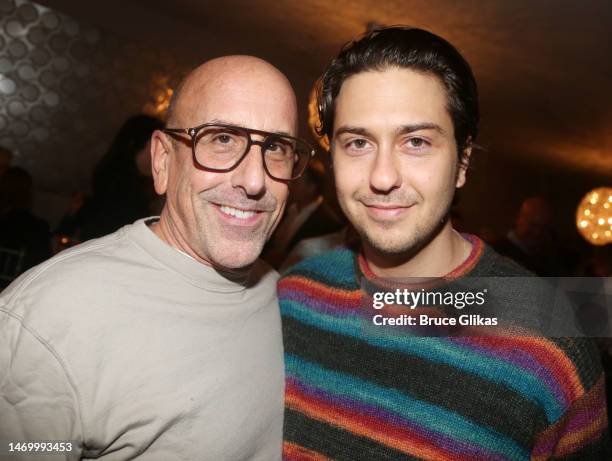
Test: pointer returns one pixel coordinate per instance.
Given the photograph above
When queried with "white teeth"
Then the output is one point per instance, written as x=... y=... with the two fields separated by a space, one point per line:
x=242 y=214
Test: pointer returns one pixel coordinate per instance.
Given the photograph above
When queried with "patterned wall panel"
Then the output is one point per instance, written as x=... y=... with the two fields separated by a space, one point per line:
x=65 y=88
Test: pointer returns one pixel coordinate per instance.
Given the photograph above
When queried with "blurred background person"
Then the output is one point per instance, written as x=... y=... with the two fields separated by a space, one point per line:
x=533 y=242
x=316 y=245
x=24 y=238
x=309 y=215
x=122 y=186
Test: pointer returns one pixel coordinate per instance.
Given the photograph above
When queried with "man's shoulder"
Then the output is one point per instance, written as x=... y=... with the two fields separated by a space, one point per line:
x=71 y=270
x=335 y=267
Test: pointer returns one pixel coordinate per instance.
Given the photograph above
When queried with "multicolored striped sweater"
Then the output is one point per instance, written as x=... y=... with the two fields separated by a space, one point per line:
x=354 y=394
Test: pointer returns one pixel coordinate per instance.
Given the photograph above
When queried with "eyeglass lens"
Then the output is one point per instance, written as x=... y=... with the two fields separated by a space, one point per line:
x=221 y=147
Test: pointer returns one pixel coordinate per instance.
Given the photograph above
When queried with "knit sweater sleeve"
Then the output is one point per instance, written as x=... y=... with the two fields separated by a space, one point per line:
x=582 y=431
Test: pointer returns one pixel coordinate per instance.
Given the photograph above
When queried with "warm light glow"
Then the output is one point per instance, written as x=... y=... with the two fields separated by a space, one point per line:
x=594 y=216
x=313 y=117
x=159 y=101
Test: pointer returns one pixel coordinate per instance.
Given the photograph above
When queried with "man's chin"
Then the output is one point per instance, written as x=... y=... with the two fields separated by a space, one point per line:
x=235 y=258
x=391 y=247
x=403 y=246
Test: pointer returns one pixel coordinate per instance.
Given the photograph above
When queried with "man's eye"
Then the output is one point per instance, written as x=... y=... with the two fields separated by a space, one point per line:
x=223 y=138
x=417 y=142
x=358 y=143
x=278 y=147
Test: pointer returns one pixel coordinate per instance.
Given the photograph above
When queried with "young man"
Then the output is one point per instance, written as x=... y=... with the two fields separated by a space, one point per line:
x=162 y=340
x=400 y=109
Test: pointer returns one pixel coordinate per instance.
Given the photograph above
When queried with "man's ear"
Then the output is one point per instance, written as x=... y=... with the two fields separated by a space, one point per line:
x=464 y=163
x=160 y=161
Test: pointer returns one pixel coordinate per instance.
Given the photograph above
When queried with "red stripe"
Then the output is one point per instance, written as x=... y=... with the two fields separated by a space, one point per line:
x=337 y=297
x=294 y=452
x=364 y=425
x=545 y=352
x=568 y=435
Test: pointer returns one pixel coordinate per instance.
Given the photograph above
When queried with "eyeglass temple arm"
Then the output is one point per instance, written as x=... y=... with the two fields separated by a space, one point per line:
x=176 y=130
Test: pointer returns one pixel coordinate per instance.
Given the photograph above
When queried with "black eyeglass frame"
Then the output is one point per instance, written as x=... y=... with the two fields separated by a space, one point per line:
x=193 y=133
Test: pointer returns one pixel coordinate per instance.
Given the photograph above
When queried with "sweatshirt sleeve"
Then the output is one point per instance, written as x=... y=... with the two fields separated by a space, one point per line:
x=581 y=433
x=37 y=400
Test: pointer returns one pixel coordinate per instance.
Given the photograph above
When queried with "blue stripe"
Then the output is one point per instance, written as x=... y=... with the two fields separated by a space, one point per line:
x=430 y=417
x=433 y=349
x=326 y=267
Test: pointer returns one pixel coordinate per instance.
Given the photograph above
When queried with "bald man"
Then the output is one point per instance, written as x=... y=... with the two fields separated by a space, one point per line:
x=162 y=340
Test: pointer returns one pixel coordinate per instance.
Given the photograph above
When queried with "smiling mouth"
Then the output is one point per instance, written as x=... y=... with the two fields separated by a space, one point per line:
x=386 y=211
x=237 y=212
x=386 y=206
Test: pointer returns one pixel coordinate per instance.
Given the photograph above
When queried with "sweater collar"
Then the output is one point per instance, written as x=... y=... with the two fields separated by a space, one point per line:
x=464 y=268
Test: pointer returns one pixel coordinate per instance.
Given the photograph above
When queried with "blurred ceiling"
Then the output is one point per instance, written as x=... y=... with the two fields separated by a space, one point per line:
x=543 y=67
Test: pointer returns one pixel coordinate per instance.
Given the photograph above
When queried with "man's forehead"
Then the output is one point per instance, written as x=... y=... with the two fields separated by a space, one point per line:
x=390 y=84
x=392 y=99
x=250 y=107
x=222 y=86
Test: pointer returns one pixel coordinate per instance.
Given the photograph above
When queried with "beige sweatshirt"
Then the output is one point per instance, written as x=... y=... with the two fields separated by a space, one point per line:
x=130 y=348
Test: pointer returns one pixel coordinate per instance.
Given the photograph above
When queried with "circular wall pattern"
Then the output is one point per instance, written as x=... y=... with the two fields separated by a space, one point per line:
x=65 y=88
x=7 y=86
x=17 y=49
x=26 y=72
x=27 y=12
x=14 y=29
x=6 y=6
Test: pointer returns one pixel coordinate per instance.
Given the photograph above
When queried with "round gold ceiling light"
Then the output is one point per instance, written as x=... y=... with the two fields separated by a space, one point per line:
x=594 y=216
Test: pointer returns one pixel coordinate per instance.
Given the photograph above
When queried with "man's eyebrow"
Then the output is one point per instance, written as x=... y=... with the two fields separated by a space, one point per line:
x=225 y=122
x=352 y=130
x=404 y=129
x=420 y=126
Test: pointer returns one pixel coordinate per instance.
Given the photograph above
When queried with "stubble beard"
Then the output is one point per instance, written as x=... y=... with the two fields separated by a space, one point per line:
x=231 y=247
x=395 y=253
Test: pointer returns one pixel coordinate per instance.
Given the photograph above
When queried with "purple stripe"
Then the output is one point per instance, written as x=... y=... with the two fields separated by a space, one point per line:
x=312 y=301
x=551 y=444
x=522 y=359
x=436 y=439
x=585 y=417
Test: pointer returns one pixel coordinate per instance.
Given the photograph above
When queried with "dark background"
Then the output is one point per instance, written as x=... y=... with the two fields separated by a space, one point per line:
x=543 y=68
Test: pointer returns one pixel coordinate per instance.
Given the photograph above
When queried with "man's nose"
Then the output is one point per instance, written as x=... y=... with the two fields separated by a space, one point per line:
x=385 y=174
x=250 y=175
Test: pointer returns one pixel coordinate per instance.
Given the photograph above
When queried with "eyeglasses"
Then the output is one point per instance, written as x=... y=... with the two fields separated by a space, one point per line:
x=220 y=148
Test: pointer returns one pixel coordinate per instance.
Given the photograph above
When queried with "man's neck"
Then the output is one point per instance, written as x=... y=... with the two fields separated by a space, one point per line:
x=164 y=230
x=439 y=257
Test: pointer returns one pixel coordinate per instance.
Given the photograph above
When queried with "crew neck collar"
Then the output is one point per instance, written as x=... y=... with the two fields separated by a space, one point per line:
x=198 y=274
x=461 y=270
